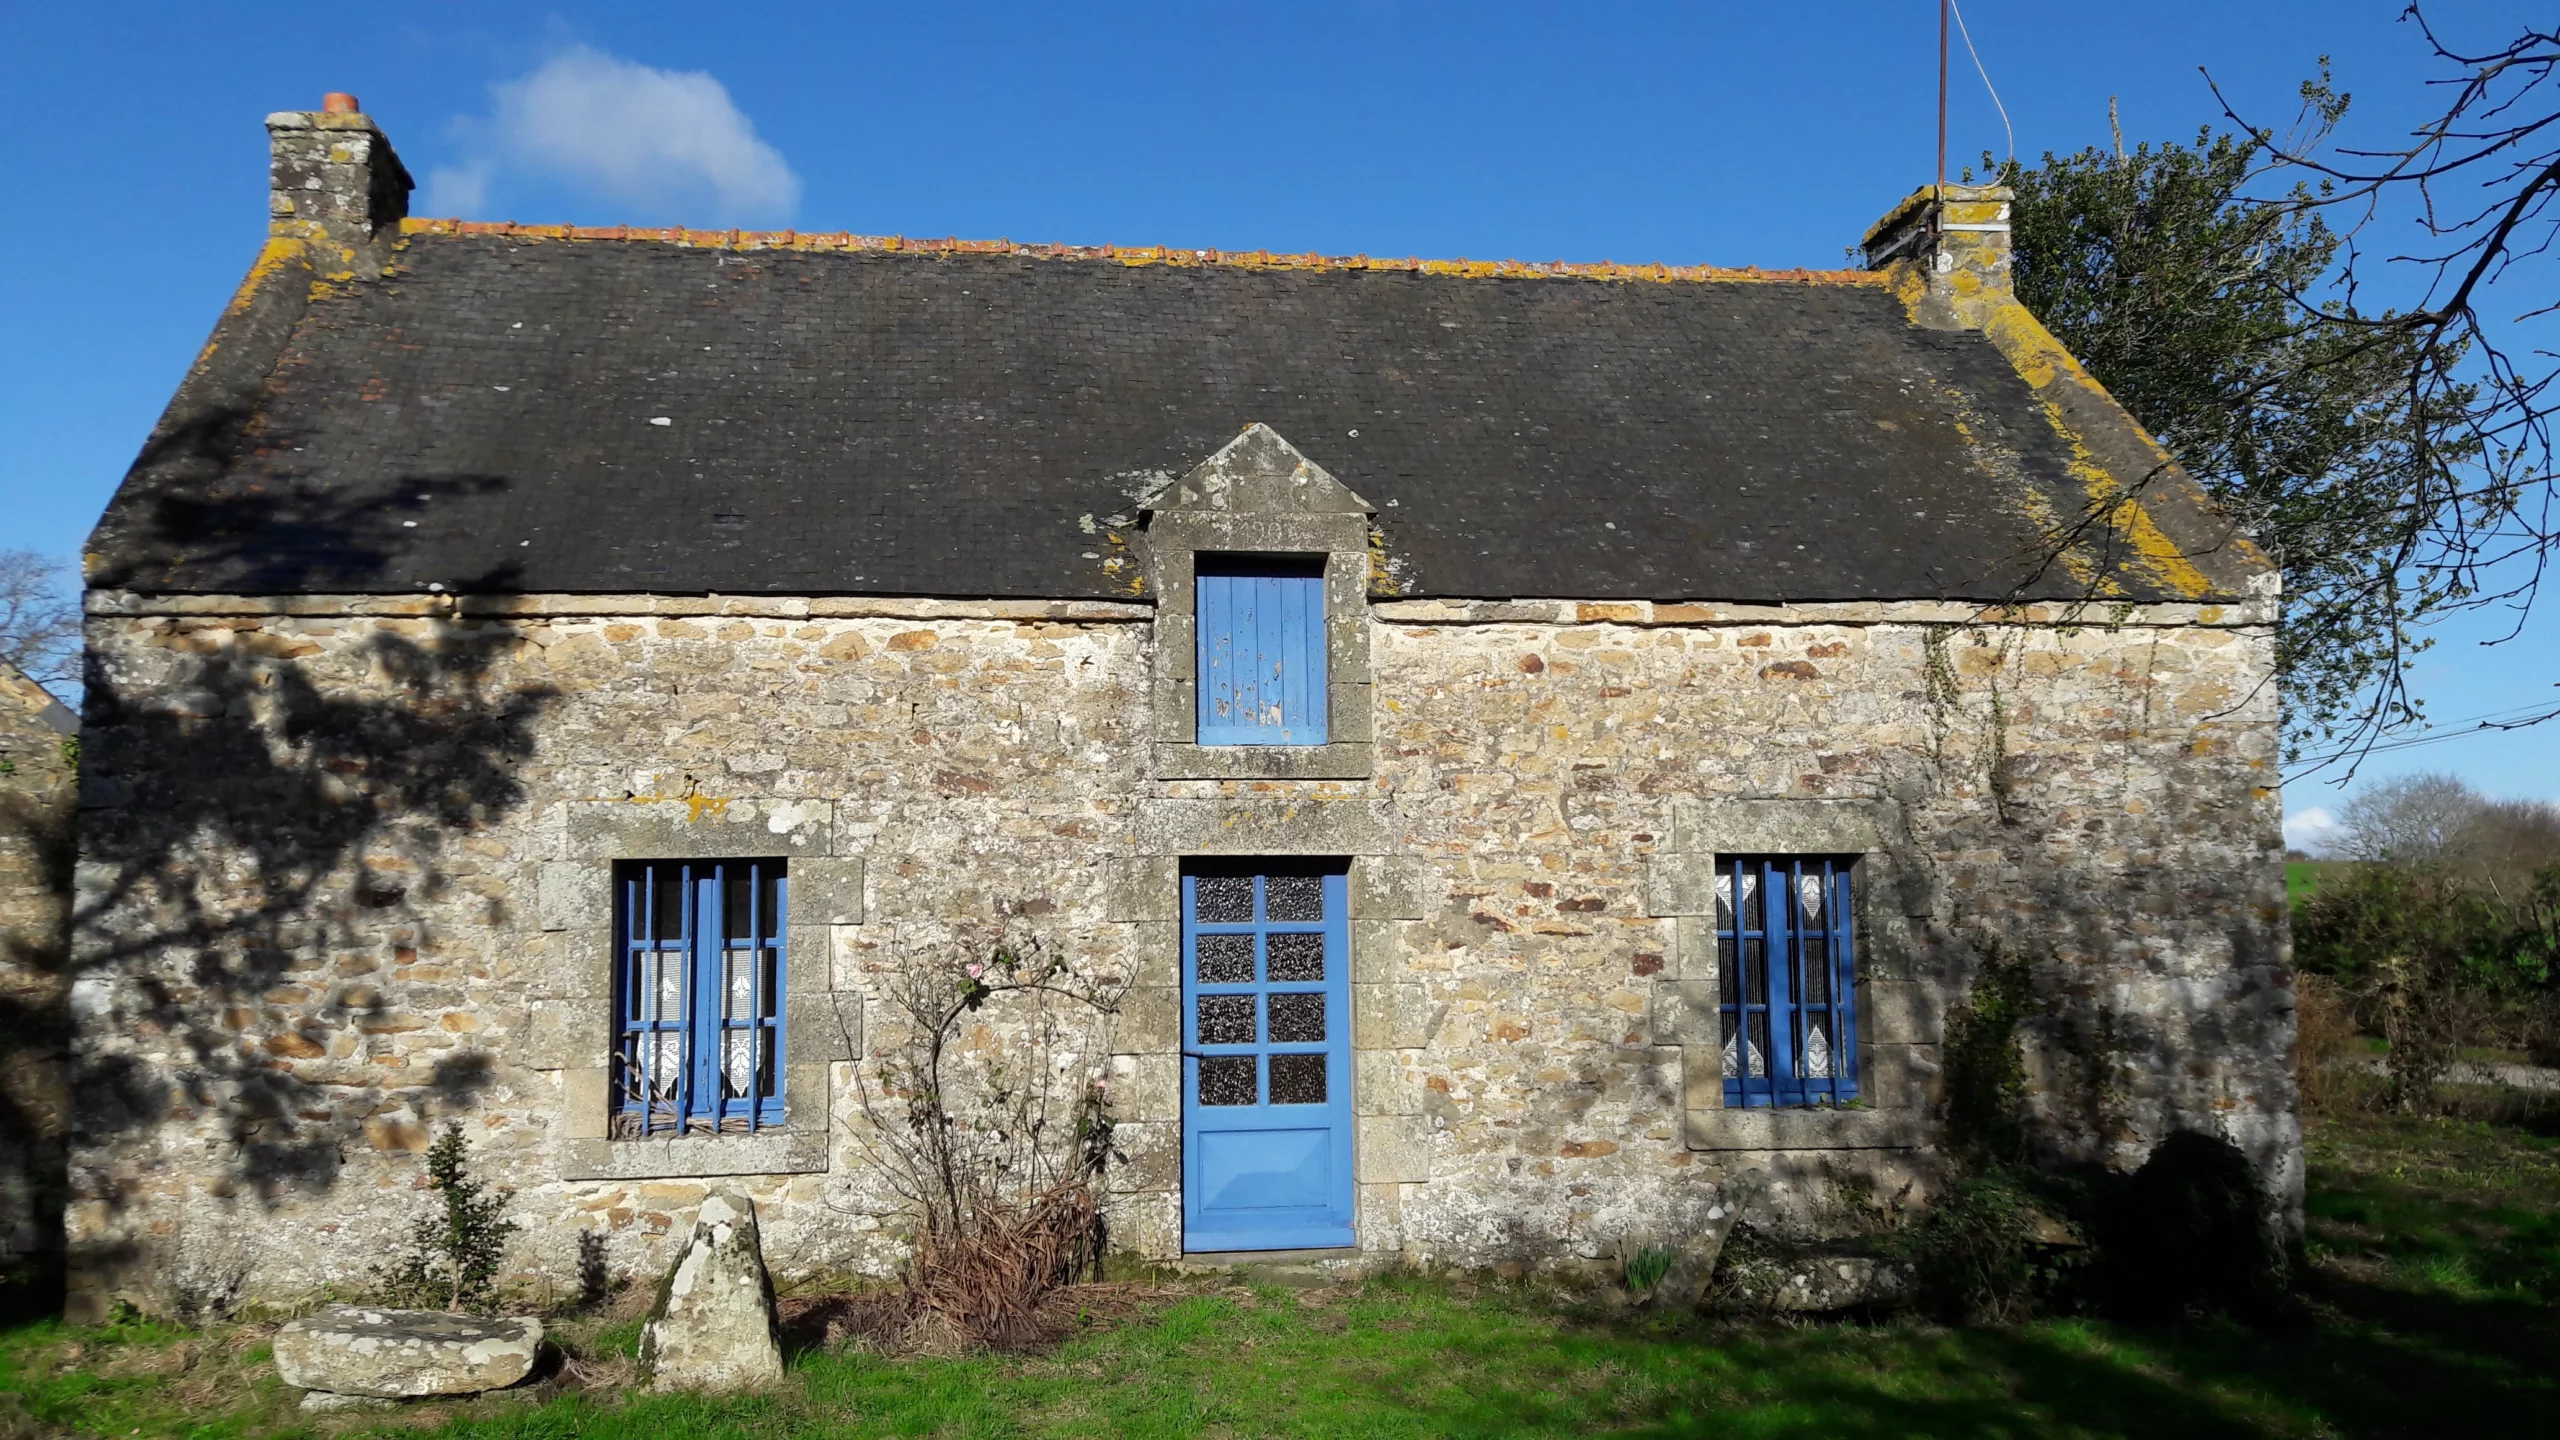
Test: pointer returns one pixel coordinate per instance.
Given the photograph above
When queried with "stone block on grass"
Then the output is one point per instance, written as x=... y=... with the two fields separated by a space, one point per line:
x=367 y=1352
x=713 y=1326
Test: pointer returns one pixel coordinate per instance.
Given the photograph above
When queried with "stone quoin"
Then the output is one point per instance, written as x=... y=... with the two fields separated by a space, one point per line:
x=1551 y=744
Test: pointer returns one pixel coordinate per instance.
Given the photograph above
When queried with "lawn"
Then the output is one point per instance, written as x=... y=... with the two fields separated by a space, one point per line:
x=2435 y=1248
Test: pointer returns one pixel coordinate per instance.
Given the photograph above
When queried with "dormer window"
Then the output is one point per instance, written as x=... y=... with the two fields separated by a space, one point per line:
x=1262 y=649
x=1259 y=562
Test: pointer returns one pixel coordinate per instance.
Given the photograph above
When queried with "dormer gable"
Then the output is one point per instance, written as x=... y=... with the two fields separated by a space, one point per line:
x=1259 y=472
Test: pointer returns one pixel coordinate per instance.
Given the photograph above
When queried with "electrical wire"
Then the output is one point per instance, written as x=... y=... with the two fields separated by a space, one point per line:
x=1986 y=80
x=2496 y=722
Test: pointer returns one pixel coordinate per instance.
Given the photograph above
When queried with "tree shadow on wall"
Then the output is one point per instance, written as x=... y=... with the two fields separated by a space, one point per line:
x=2157 y=988
x=265 y=832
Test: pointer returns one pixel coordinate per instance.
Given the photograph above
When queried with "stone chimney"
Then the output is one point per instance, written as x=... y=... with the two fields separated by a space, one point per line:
x=1955 y=238
x=336 y=182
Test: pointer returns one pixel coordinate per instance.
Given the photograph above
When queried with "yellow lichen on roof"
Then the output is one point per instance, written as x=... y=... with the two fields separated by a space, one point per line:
x=2049 y=369
x=1901 y=211
x=1137 y=255
x=2126 y=514
x=279 y=252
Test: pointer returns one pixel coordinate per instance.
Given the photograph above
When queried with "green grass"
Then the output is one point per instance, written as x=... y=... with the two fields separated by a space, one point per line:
x=2461 y=1208
x=2436 y=1249
x=2303 y=878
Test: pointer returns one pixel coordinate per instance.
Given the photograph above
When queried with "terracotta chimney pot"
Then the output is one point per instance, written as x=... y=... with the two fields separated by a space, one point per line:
x=338 y=102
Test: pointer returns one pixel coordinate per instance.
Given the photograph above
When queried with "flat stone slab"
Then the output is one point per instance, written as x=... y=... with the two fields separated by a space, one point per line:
x=357 y=1350
x=1816 y=1283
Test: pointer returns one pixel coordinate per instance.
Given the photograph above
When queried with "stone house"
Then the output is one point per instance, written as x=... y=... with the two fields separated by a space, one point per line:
x=1549 y=744
x=38 y=759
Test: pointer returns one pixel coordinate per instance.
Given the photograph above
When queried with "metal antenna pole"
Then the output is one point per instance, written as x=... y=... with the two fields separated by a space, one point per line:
x=1942 y=99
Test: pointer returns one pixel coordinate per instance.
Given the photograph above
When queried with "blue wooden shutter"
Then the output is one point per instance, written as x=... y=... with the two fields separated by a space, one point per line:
x=1262 y=673
x=699 y=1007
x=1785 y=955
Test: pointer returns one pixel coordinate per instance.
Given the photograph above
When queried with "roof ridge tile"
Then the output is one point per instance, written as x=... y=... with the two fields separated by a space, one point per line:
x=1137 y=255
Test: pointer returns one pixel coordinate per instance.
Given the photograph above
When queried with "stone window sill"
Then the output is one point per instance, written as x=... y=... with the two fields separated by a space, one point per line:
x=774 y=1152
x=1335 y=760
x=1805 y=1130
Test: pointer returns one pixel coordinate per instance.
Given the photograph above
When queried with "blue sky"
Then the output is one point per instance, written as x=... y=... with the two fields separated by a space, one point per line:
x=1737 y=134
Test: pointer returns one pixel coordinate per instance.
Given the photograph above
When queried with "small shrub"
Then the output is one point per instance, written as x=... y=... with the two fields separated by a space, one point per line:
x=2192 y=1233
x=2328 y=1050
x=1990 y=1250
x=2430 y=962
x=991 y=1121
x=981 y=1283
x=455 y=1250
x=1647 y=1267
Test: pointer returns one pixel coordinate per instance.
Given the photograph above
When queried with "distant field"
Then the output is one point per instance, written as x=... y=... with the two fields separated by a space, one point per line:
x=2302 y=877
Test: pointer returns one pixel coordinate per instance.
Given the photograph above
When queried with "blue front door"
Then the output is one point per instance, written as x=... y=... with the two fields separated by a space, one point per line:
x=1266 y=1058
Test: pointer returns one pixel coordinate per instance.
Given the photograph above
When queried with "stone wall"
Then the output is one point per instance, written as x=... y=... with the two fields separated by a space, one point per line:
x=344 y=871
x=36 y=794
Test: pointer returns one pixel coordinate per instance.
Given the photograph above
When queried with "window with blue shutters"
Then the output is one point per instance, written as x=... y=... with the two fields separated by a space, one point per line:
x=1262 y=658
x=1786 y=955
x=698 y=996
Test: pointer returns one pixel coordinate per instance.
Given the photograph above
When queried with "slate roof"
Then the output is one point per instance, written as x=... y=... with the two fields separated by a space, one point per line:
x=515 y=411
x=19 y=689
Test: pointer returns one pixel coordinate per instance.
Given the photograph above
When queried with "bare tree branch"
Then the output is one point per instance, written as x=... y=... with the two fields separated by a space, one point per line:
x=2474 y=401
x=40 y=618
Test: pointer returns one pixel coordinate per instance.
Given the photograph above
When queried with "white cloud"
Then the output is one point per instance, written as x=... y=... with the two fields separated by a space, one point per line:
x=2309 y=830
x=661 y=142
x=460 y=189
